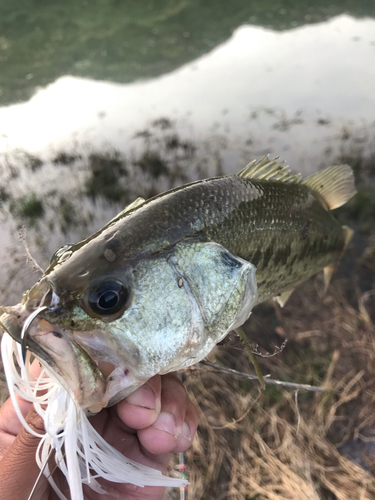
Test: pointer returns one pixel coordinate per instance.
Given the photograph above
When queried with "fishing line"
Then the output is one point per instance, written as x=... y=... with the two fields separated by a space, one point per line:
x=81 y=453
x=182 y=465
x=43 y=469
x=41 y=472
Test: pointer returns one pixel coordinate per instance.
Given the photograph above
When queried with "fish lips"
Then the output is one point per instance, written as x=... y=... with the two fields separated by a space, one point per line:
x=68 y=361
x=73 y=367
x=12 y=320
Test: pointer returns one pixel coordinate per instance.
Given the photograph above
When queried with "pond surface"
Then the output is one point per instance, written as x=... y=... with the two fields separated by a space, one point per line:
x=98 y=108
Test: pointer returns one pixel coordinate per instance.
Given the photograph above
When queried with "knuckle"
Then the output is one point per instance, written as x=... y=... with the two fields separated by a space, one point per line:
x=192 y=417
x=172 y=383
x=35 y=421
x=27 y=440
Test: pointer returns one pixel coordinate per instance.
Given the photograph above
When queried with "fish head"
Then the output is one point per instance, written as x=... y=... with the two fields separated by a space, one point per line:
x=126 y=319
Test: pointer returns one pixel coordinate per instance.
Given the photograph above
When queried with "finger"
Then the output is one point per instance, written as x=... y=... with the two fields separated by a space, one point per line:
x=10 y=424
x=165 y=433
x=189 y=428
x=141 y=408
x=18 y=469
x=9 y=421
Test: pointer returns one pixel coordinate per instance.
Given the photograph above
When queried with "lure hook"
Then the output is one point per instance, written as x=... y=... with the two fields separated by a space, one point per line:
x=25 y=327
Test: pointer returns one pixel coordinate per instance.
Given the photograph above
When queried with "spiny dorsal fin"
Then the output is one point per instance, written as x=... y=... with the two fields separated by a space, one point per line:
x=283 y=297
x=266 y=169
x=136 y=203
x=334 y=184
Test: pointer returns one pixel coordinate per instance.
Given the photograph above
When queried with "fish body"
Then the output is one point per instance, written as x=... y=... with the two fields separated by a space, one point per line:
x=164 y=281
x=154 y=291
x=284 y=229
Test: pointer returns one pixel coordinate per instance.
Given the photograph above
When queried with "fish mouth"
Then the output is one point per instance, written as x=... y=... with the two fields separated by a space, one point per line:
x=12 y=320
x=65 y=359
x=36 y=325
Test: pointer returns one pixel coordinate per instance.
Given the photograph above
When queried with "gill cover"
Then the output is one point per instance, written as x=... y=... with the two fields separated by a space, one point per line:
x=189 y=302
x=222 y=283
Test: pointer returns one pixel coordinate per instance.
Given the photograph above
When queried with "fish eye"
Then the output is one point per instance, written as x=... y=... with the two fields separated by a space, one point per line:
x=108 y=298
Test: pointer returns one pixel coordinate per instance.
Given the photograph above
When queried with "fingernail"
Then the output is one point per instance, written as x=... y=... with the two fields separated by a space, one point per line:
x=143 y=397
x=186 y=431
x=167 y=423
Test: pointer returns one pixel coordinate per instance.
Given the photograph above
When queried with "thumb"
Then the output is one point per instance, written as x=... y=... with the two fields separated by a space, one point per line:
x=18 y=468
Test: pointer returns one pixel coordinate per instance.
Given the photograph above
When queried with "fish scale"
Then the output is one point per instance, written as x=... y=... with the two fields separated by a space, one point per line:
x=264 y=223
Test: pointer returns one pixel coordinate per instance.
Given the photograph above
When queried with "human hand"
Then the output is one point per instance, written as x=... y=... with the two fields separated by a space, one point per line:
x=147 y=426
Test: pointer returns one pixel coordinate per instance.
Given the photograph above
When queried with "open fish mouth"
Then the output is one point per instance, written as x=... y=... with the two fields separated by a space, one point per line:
x=87 y=368
x=157 y=333
x=70 y=387
x=12 y=320
x=76 y=444
x=68 y=361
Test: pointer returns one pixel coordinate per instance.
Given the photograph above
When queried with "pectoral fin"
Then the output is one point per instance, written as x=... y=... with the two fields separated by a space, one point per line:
x=253 y=359
x=348 y=233
x=328 y=271
x=283 y=297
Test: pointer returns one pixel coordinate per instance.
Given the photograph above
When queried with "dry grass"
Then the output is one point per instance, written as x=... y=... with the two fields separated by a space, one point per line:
x=254 y=445
x=276 y=445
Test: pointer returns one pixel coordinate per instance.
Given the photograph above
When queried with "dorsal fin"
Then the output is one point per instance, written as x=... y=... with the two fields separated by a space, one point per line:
x=136 y=203
x=266 y=169
x=334 y=184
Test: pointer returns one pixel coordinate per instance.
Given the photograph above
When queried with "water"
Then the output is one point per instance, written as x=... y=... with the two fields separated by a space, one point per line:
x=99 y=107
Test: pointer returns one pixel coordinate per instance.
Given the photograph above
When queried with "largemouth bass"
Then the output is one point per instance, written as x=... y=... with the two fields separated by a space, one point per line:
x=164 y=281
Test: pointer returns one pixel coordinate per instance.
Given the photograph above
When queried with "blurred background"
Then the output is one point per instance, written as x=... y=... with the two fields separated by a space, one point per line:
x=108 y=100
